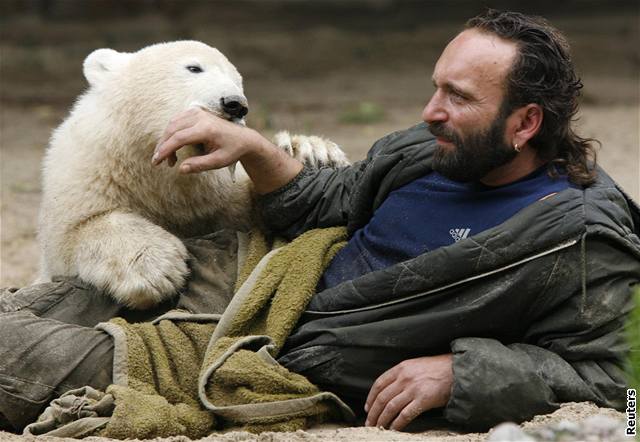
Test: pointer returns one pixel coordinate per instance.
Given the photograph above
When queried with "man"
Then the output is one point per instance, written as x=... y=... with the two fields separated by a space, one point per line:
x=505 y=95
x=489 y=264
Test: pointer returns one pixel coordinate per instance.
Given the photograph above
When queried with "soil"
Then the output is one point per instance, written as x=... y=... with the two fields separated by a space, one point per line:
x=353 y=79
x=574 y=412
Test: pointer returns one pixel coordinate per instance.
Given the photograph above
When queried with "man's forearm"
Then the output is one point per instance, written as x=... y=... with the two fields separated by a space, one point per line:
x=269 y=167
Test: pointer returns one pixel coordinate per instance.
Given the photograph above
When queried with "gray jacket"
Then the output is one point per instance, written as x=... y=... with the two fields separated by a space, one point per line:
x=531 y=309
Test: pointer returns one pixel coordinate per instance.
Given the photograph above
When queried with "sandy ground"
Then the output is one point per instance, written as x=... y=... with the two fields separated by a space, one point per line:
x=574 y=412
x=291 y=87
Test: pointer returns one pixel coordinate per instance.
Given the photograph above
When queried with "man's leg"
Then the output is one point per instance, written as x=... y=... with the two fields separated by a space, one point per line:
x=42 y=358
x=48 y=345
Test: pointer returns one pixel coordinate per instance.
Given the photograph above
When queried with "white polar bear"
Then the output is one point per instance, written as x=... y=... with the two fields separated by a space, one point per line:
x=111 y=218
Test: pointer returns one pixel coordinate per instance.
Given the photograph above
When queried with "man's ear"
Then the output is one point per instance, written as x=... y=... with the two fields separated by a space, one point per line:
x=528 y=123
x=101 y=63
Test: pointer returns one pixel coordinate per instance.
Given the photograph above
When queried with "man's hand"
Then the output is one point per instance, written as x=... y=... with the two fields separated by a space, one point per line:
x=407 y=390
x=224 y=144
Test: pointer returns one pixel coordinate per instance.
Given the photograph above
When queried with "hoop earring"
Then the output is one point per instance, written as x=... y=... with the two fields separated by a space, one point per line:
x=517 y=148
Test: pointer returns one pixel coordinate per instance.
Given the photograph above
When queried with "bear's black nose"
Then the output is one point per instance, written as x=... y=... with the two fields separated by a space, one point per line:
x=235 y=106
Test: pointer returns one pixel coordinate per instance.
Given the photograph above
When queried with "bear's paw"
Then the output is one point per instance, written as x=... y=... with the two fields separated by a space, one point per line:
x=138 y=271
x=311 y=150
x=154 y=275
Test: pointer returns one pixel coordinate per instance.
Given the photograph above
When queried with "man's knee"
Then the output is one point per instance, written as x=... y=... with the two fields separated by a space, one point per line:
x=42 y=358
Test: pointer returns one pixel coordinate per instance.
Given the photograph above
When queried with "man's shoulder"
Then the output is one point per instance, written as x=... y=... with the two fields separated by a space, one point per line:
x=607 y=204
x=602 y=207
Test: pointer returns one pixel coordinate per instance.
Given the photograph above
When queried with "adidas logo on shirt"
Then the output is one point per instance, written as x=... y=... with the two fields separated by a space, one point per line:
x=459 y=234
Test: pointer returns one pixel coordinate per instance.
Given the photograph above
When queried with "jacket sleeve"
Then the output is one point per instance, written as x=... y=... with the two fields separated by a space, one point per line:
x=314 y=198
x=573 y=351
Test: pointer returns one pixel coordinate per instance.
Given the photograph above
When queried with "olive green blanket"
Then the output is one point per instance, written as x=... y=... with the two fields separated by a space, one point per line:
x=192 y=375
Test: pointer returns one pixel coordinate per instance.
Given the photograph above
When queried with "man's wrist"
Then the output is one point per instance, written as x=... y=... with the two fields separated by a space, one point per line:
x=257 y=150
x=268 y=166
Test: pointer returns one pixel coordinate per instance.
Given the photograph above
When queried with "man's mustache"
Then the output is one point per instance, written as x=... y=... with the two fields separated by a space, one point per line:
x=441 y=131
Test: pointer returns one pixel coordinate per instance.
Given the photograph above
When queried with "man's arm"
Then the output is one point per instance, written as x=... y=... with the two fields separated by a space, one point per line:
x=496 y=383
x=321 y=197
x=313 y=199
x=572 y=352
x=226 y=143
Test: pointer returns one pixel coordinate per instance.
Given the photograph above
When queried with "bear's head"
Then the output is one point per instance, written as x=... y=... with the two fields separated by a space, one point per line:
x=149 y=87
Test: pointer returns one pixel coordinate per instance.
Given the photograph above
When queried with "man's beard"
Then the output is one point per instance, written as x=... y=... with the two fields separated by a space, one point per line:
x=471 y=157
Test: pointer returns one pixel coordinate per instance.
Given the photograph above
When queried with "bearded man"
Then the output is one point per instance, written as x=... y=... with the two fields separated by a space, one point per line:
x=490 y=260
x=488 y=272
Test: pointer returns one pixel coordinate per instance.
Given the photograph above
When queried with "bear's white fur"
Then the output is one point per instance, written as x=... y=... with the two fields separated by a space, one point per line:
x=111 y=218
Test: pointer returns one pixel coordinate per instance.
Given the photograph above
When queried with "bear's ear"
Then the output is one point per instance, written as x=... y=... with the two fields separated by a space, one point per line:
x=101 y=63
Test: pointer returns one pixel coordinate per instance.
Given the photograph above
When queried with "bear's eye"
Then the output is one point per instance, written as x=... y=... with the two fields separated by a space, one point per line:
x=195 y=69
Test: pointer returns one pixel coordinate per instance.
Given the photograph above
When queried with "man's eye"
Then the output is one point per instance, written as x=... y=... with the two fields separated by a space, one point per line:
x=194 y=69
x=457 y=97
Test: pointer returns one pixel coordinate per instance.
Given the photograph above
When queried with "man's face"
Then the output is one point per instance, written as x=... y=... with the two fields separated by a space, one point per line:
x=476 y=153
x=466 y=113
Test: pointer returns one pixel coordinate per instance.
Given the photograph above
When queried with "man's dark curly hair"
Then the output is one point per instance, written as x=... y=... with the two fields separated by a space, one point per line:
x=543 y=73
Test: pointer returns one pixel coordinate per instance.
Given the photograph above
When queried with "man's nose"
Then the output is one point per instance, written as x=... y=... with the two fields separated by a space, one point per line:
x=235 y=105
x=434 y=111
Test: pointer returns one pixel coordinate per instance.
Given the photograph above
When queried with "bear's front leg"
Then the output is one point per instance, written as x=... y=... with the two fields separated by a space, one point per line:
x=137 y=262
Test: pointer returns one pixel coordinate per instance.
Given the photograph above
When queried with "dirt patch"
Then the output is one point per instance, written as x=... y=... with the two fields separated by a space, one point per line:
x=574 y=412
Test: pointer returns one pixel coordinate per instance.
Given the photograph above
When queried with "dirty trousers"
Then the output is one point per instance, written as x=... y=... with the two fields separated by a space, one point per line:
x=47 y=341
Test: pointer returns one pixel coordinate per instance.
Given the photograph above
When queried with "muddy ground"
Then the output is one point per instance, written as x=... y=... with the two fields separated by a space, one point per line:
x=352 y=73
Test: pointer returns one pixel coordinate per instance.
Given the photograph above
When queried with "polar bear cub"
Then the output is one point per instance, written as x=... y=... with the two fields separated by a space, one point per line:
x=111 y=218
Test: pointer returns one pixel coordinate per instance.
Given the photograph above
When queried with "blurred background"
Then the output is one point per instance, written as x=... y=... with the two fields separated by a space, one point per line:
x=348 y=70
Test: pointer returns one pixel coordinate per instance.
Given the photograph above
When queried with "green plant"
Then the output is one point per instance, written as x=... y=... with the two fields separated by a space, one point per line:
x=363 y=113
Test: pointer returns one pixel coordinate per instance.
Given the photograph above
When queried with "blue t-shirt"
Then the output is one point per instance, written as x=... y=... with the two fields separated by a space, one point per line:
x=431 y=212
